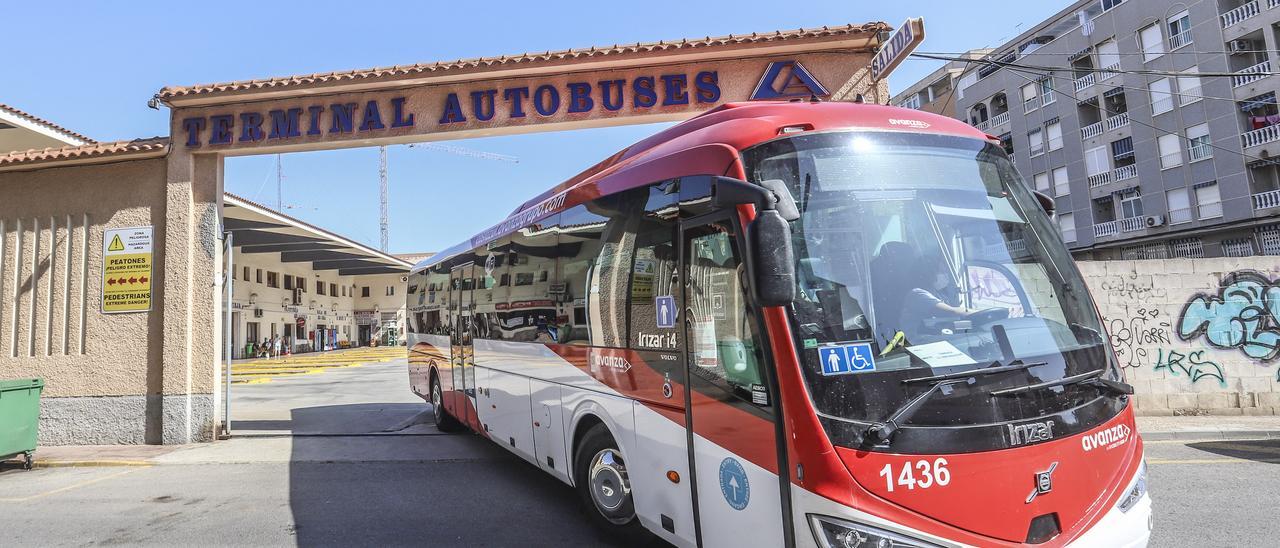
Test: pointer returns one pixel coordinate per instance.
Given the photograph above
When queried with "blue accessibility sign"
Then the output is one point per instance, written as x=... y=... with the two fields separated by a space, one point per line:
x=733 y=483
x=845 y=359
x=665 y=308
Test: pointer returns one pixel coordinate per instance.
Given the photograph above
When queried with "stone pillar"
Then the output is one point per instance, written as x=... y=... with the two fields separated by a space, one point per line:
x=180 y=406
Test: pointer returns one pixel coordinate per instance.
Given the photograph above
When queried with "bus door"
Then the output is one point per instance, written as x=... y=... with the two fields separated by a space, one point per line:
x=733 y=443
x=462 y=361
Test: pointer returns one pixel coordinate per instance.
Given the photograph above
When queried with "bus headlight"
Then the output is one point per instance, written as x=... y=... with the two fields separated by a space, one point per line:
x=838 y=533
x=1136 y=490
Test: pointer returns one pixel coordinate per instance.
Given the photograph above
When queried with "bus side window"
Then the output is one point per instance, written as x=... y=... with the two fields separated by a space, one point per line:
x=655 y=290
x=725 y=348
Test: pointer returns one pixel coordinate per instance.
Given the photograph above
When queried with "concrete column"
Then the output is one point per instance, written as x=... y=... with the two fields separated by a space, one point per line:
x=180 y=397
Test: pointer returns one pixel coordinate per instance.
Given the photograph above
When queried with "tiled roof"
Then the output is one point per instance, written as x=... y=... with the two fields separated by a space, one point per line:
x=41 y=121
x=93 y=150
x=172 y=92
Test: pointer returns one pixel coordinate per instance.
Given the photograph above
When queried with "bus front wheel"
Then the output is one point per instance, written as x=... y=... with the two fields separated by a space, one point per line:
x=444 y=421
x=600 y=474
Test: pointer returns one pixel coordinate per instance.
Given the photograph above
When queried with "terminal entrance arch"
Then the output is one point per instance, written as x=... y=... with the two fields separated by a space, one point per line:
x=533 y=92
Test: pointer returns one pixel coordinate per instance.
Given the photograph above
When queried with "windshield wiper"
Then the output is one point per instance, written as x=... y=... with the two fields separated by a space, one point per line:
x=883 y=431
x=993 y=367
x=1093 y=378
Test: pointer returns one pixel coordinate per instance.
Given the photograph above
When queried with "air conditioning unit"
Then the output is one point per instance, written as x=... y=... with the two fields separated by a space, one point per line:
x=1155 y=220
x=1239 y=46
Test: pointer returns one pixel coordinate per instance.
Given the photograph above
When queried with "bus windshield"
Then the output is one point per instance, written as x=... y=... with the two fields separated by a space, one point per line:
x=926 y=255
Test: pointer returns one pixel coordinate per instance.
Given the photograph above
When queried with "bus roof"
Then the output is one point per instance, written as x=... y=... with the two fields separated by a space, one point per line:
x=735 y=125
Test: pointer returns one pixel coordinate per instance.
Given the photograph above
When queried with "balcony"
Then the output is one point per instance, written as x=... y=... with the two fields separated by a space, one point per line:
x=1200 y=151
x=1240 y=14
x=1178 y=40
x=1109 y=228
x=1130 y=224
x=1265 y=200
x=999 y=119
x=1251 y=74
x=1118 y=121
x=1272 y=3
x=984 y=125
x=1031 y=104
x=1261 y=136
x=1100 y=179
x=1090 y=131
x=1126 y=172
x=1085 y=81
x=1114 y=68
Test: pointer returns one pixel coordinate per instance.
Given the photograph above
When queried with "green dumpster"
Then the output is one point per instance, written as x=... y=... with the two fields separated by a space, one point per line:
x=19 y=415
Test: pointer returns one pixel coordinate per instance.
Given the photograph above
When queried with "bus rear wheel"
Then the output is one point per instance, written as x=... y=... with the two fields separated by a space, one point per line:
x=600 y=474
x=444 y=421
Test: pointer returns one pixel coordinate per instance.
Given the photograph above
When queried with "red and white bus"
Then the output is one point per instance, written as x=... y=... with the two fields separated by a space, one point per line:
x=793 y=324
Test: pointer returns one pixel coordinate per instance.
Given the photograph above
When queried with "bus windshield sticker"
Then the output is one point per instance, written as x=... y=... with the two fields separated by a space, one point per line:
x=705 y=349
x=940 y=354
x=846 y=359
x=665 y=308
x=759 y=394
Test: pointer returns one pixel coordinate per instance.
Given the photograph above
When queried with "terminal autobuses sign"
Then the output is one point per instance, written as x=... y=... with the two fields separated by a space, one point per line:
x=126 y=269
x=668 y=92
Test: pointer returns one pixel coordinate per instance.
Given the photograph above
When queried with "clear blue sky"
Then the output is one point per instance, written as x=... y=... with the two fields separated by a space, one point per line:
x=91 y=66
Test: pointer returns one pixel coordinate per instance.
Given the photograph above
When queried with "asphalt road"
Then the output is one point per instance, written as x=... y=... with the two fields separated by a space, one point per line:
x=338 y=459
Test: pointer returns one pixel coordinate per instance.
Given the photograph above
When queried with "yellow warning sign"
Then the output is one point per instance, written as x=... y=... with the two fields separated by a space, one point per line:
x=126 y=270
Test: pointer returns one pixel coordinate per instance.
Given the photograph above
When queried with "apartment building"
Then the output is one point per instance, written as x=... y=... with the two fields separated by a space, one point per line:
x=1153 y=124
x=936 y=92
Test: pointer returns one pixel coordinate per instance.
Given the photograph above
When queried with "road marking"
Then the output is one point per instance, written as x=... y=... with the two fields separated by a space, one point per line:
x=72 y=486
x=1212 y=461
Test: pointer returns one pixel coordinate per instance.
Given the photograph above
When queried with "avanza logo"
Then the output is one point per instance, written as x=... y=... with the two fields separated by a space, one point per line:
x=619 y=363
x=1109 y=438
x=917 y=124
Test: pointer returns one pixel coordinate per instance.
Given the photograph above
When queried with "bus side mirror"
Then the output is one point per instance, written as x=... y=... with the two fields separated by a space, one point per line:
x=773 y=260
x=1046 y=202
x=768 y=236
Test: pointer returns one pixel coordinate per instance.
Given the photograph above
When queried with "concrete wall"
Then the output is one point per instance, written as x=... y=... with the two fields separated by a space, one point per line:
x=103 y=383
x=1194 y=335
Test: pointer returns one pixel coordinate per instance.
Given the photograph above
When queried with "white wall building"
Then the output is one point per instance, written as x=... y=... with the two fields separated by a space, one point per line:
x=313 y=288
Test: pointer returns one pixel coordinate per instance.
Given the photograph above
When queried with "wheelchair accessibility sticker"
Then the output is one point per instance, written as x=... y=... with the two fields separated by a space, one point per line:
x=845 y=359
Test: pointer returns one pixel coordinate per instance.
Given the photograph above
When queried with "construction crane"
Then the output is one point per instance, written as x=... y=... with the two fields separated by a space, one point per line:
x=384 y=221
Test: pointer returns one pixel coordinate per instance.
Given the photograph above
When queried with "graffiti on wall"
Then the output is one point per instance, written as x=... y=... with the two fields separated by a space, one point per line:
x=1192 y=364
x=1244 y=314
x=1129 y=336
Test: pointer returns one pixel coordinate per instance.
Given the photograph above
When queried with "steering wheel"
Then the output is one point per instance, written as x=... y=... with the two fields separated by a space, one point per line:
x=988 y=315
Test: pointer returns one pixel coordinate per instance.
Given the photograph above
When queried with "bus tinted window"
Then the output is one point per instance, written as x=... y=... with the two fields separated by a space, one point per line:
x=655 y=290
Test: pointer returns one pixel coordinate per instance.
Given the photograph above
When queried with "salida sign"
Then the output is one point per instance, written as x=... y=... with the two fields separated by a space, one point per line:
x=524 y=100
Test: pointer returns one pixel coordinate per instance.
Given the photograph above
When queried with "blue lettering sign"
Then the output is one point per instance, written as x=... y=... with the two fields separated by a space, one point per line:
x=611 y=94
x=398 y=118
x=482 y=104
x=516 y=97
x=707 y=83
x=284 y=123
x=313 y=124
x=193 y=126
x=343 y=114
x=221 y=125
x=546 y=100
x=645 y=96
x=372 y=120
x=250 y=126
x=452 y=110
x=675 y=89
x=580 y=97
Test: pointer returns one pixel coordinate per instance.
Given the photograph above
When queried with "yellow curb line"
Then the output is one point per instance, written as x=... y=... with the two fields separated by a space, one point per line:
x=87 y=463
x=72 y=486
